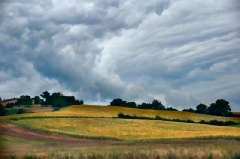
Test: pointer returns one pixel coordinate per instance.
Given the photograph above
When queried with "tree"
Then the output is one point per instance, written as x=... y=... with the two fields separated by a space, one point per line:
x=9 y=105
x=59 y=102
x=79 y=102
x=37 y=100
x=145 y=106
x=2 y=110
x=202 y=108
x=116 y=102
x=48 y=99
x=189 y=110
x=131 y=104
x=220 y=108
x=24 y=100
x=157 y=105
x=171 y=108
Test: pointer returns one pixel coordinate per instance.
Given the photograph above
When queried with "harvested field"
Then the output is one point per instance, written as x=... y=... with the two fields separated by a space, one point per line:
x=113 y=111
x=125 y=129
x=41 y=144
x=149 y=138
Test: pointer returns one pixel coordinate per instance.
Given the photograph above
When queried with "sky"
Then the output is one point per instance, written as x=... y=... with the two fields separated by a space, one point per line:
x=179 y=52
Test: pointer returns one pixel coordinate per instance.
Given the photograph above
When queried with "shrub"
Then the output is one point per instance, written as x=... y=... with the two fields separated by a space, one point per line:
x=56 y=108
x=9 y=105
x=216 y=122
x=121 y=115
x=189 y=121
x=21 y=111
x=157 y=117
x=29 y=157
x=11 y=111
x=202 y=122
x=2 y=110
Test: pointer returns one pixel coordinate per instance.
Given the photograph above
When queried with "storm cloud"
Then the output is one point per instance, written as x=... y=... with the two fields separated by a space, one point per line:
x=180 y=52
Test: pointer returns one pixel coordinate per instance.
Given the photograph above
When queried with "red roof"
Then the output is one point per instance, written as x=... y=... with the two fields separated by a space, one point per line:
x=6 y=100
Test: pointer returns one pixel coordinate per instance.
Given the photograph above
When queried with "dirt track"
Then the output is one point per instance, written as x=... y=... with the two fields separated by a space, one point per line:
x=16 y=131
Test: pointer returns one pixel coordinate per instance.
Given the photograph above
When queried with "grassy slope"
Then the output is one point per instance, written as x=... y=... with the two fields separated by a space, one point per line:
x=112 y=111
x=125 y=129
x=121 y=128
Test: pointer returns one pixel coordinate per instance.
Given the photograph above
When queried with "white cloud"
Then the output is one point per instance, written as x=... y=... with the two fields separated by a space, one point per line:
x=179 y=52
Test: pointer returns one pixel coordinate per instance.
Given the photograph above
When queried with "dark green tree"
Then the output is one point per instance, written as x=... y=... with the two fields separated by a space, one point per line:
x=58 y=99
x=59 y=102
x=70 y=100
x=24 y=100
x=220 y=108
x=2 y=110
x=124 y=103
x=47 y=98
x=116 y=102
x=79 y=102
x=157 y=105
x=37 y=100
x=171 y=108
x=202 y=108
x=9 y=105
x=189 y=110
x=131 y=104
x=145 y=106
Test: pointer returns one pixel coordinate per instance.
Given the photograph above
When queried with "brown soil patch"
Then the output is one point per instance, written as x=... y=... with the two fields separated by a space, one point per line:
x=16 y=131
x=35 y=109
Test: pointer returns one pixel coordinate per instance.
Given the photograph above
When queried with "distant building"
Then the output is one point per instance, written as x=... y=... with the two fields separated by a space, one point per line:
x=6 y=101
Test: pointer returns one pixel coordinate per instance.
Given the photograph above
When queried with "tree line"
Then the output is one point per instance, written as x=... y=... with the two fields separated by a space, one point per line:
x=156 y=105
x=220 y=108
x=56 y=100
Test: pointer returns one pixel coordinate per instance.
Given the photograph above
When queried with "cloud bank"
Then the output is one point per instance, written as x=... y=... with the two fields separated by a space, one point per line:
x=180 y=52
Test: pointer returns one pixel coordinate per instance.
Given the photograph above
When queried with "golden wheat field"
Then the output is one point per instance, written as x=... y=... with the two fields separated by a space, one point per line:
x=126 y=129
x=112 y=111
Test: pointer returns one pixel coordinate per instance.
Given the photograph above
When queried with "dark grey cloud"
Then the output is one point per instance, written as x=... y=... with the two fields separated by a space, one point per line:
x=182 y=53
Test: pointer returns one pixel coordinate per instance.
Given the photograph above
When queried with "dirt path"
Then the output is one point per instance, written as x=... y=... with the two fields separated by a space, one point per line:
x=16 y=131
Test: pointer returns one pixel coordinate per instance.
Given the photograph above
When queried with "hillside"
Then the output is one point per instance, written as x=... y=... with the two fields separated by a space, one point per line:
x=112 y=111
x=124 y=129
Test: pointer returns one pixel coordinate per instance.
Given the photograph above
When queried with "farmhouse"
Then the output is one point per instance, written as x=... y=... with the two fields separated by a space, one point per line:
x=6 y=101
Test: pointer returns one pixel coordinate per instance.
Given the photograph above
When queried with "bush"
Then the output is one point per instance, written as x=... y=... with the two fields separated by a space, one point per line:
x=216 y=122
x=29 y=157
x=202 y=122
x=2 y=110
x=9 y=105
x=28 y=106
x=56 y=109
x=157 y=117
x=21 y=111
x=121 y=115
x=11 y=111
x=190 y=121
